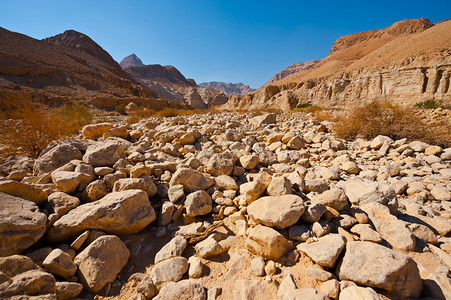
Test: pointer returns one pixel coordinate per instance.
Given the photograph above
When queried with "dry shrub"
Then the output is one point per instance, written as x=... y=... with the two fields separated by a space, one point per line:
x=75 y=115
x=386 y=119
x=308 y=108
x=31 y=126
x=324 y=116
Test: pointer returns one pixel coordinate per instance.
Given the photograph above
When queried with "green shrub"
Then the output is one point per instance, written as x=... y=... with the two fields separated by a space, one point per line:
x=428 y=104
x=76 y=115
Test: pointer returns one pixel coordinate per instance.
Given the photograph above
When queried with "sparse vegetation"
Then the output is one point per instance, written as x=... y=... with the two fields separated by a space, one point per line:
x=29 y=126
x=121 y=109
x=304 y=105
x=390 y=120
x=428 y=104
x=75 y=115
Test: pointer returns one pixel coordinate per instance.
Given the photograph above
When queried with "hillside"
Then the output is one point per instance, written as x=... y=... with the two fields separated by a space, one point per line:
x=228 y=88
x=405 y=63
x=69 y=65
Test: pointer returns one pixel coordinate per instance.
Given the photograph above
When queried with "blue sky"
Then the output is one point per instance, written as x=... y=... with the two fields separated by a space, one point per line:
x=212 y=40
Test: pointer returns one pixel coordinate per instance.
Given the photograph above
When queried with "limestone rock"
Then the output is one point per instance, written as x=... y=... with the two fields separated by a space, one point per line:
x=104 y=154
x=60 y=263
x=68 y=290
x=359 y=293
x=23 y=190
x=94 y=131
x=279 y=186
x=279 y=212
x=117 y=213
x=101 y=261
x=66 y=181
x=57 y=156
x=257 y=267
x=21 y=224
x=196 y=267
x=145 y=184
x=188 y=289
x=171 y=269
x=23 y=277
x=361 y=192
x=374 y=265
x=198 y=203
x=175 y=247
x=267 y=242
x=326 y=250
x=61 y=203
x=221 y=164
x=191 y=180
x=208 y=247
x=334 y=198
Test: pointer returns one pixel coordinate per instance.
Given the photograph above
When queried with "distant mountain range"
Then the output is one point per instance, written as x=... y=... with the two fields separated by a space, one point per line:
x=228 y=88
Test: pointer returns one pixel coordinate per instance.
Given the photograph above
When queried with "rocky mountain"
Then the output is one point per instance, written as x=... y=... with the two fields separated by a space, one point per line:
x=169 y=83
x=131 y=61
x=228 y=88
x=67 y=66
x=405 y=63
x=293 y=68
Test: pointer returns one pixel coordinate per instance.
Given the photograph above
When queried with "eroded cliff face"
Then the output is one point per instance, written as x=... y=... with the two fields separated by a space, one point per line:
x=402 y=67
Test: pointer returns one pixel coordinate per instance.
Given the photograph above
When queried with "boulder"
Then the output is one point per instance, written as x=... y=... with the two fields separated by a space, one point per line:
x=279 y=212
x=208 y=247
x=57 y=157
x=359 y=293
x=361 y=192
x=101 y=261
x=326 y=250
x=171 y=269
x=22 y=277
x=68 y=290
x=117 y=213
x=373 y=265
x=21 y=224
x=221 y=164
x=334 y=198
x=66 y=181
x=23 y=190
x=389 y=227
x=191 y=180
x=60 y=263
x=267 y=242
x=61 y=203
x=188 y=289
x=146 y=184
x=175 y=247
x=104 y=154
x=279 y=186
x=94 y=131
x=198 y=203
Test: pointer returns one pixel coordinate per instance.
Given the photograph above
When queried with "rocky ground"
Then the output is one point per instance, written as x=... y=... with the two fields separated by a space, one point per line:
x=226 y=206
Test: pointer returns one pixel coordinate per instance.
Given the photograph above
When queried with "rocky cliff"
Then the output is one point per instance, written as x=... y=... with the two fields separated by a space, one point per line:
x=405 y=63
x=228 y=88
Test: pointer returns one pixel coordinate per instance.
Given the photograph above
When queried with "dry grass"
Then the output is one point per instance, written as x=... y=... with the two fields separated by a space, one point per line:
x=28 y=126
x=396 y=122
x=167 y=112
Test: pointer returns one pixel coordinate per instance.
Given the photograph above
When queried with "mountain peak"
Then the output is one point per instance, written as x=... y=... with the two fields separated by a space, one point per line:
x=131 y=61
x=80 y=41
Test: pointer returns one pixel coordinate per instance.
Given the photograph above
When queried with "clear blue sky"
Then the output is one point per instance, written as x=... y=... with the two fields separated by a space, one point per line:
x=212 y=40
